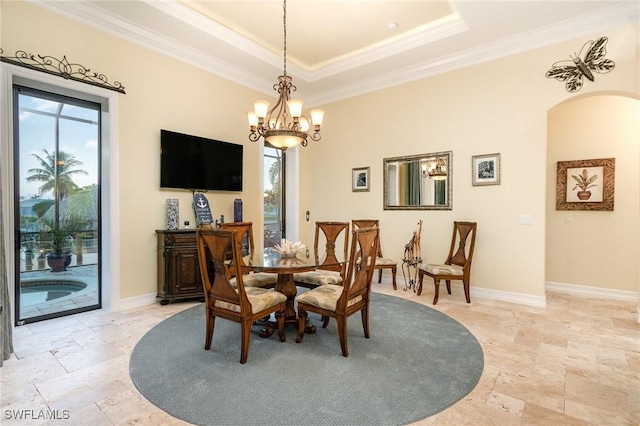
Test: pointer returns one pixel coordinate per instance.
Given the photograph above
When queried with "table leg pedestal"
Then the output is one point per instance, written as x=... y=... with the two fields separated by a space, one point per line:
x=286 y=286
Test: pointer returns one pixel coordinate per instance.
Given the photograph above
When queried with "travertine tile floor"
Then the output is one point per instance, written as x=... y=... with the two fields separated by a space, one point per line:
x=577 y=362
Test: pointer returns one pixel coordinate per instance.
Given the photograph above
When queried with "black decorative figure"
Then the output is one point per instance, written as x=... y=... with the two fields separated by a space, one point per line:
x=593 y=61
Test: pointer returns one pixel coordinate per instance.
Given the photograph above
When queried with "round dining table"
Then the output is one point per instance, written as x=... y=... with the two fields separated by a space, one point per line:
x=271 y=261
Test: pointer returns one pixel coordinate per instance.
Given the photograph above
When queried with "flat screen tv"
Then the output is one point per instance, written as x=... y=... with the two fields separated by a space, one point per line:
x=196 y=163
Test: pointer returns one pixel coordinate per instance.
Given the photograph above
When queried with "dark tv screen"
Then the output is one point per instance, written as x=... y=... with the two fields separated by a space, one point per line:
x=196 y=163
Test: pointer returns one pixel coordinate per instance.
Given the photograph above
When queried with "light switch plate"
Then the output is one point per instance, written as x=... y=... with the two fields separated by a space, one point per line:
x=525 y=219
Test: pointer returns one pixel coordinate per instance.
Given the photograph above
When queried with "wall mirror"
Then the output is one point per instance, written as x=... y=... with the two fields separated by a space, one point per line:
x=418 y=182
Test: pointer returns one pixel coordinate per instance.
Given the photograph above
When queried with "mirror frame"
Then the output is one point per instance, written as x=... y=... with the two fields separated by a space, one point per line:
x=447 y=206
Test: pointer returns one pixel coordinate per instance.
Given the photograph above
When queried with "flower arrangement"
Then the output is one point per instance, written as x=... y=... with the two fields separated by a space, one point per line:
x=289 y=248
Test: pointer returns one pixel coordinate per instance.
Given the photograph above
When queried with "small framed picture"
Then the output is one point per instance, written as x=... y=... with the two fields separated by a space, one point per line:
x=485 y=169
x=360 y=179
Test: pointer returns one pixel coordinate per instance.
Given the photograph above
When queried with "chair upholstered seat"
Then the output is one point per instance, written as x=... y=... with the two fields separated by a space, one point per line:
x=318 y=278
x=245 y=236
x=341 y=301
x=381 y=262
x=259 y=299
x=457 y=266
x=244 y=305
x=256 y=279
x=326 y=297
x=330 y=271
x=443 y=269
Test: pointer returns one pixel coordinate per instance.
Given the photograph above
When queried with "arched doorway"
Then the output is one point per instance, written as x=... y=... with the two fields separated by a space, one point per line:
x=595 y=252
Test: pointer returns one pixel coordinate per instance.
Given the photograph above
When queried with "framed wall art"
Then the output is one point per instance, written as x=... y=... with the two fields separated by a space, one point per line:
x=485 y=169
x=360 y=179
x=585 y=184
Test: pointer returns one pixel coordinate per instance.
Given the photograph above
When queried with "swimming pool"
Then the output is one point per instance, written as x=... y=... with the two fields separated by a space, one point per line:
x=36 y=291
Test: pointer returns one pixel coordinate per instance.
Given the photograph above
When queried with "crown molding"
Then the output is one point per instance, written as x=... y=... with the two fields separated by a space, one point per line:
x=586 y=25
x=88 y=13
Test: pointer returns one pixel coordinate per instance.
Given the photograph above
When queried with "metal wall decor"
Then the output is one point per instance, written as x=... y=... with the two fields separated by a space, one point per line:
x=61 y=67
x=572 y=71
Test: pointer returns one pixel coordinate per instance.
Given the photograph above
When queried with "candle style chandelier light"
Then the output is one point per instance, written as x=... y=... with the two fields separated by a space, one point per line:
x=278 y=127
x=436 y=170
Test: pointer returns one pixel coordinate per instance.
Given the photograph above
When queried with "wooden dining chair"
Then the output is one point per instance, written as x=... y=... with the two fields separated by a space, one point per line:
x=342 y=301
x=381 y=261
x=244 y=305
x=331 y=270
x=458 y=263
x=244 y=239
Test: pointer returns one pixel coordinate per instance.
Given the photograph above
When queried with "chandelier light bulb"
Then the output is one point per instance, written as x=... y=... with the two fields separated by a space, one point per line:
x=317 y=115
x=261 y=108
x=253 y=119
x=295 y=107
x=304 y=124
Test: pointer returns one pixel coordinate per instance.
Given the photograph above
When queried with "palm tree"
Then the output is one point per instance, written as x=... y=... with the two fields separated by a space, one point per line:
x=57 y=173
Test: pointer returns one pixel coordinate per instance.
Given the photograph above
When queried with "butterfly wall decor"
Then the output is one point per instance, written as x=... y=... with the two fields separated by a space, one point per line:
x=573 y=71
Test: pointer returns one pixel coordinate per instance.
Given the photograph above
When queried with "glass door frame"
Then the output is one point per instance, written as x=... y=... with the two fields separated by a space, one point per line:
x=53 y=96
x=111 y=265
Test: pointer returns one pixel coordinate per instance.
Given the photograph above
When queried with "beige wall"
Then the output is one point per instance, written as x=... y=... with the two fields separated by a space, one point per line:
x=596 y=248
x=162 y=93
x=496 y=107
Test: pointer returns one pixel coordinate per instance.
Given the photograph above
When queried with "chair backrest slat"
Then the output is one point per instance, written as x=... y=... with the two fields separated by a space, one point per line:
x=463 y=252
x=331 y=232
x=364 y=246
x=213 y=248
x=368 y=223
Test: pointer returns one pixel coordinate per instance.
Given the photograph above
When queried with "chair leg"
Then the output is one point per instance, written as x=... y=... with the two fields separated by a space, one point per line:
x=211 y=321
x=302 y=322
x=420 y=277
x=245 y=330
x=393 y=275
x=365 y=320
x=436 y=283
x=465 y=283
x=325 y=321
x=280 y=319
x=448 y=286
x=379 y=275
x=342 y=334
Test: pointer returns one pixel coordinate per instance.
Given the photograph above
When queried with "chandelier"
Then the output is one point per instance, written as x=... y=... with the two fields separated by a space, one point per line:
x=278 y=127
x=436 y=170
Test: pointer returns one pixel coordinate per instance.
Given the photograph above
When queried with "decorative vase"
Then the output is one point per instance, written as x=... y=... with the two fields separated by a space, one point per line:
x=172 y=214
x=58 y=262
x=237 y=210
x=584 y=195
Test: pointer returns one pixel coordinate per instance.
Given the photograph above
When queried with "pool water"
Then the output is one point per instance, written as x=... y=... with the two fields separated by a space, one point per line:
x=36 y=292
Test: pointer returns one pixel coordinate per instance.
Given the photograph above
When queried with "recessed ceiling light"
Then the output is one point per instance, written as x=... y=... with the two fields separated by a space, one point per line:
x=392 y=25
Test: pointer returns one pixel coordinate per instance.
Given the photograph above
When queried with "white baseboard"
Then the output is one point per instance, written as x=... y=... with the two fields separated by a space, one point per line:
x=136 y=302
x=595 y=292
x=507 y=296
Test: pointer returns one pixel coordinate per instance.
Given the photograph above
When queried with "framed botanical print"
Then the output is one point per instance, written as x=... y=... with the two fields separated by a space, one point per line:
x=585 y=184
x=360 y=179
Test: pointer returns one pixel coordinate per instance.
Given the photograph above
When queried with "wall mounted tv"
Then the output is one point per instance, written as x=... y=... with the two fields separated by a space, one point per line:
x=196 y=163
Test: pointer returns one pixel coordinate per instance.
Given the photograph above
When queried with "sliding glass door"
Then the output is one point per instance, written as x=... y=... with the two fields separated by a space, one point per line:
x=57 y=199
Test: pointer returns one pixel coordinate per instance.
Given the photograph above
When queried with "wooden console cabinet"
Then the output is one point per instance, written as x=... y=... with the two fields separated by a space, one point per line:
x=178 y=269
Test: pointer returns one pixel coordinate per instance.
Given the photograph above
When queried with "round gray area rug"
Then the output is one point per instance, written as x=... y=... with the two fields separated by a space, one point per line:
x=417 y=362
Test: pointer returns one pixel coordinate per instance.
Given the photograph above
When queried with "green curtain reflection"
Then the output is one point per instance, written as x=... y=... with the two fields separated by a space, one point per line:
x=413 y=184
